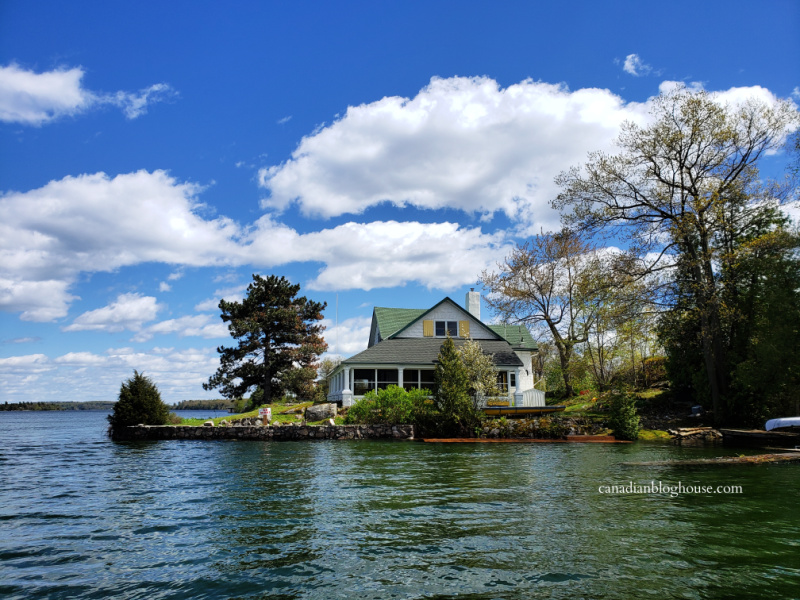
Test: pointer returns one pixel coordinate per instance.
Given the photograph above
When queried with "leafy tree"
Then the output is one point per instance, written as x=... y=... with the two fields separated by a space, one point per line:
x=278 y=333
x=457 y=411
x=555 y=281
x=683 y=191
x=481 y=372
x=139 y=402
x=324 y=372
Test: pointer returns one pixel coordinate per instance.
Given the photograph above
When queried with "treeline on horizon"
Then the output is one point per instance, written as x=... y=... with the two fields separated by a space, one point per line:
x=93 y=405
x=219 y=404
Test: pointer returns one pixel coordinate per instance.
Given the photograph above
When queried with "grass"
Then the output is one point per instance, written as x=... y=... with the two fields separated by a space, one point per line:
x=282 y=412
x=653 y=435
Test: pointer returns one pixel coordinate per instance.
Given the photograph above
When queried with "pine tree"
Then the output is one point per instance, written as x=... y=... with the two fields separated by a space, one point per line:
x=139 y=402
x=458 y=415
x=278 y=333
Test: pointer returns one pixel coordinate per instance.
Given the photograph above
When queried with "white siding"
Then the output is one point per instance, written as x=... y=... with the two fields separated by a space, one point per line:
x=448 y=312
x=526 y=372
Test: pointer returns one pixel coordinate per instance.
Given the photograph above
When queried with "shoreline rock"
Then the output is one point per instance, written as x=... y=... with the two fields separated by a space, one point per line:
x=269 y=433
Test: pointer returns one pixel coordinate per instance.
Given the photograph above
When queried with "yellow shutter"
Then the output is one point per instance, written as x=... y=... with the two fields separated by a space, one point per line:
x=463 y=329
x=427 y=328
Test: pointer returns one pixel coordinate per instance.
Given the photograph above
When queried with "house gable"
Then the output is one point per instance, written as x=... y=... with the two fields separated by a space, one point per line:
x=386 y=321
x=446 y=310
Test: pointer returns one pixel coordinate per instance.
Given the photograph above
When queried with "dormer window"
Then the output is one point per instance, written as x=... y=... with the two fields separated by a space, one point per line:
x=443 y=328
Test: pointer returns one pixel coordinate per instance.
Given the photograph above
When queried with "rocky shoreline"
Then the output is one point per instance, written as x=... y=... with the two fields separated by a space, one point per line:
x=253 y=432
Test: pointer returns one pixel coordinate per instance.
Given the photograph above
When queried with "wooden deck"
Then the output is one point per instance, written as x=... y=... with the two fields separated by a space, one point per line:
x=585 y=439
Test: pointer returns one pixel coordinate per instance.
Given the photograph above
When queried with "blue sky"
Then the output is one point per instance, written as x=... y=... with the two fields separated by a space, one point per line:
x=154 y=155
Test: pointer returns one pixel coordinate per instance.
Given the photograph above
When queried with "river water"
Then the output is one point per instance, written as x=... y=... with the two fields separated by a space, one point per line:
x=84 y=517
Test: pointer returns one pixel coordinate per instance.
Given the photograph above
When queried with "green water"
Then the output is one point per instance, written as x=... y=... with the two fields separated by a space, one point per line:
x=83 y=517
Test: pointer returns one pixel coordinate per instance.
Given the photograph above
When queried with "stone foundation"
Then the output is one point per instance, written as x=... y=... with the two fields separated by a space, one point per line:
x=282 y=433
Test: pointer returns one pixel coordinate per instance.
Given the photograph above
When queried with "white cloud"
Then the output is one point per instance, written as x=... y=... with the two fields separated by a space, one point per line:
x=231 y=294
x=349 y=337
x=37 y=98
x=135 y=104
x=204 y=326
x=43 y=300
x=179 y=375
x=462 y=143
x=284 y=120
x=382 y=253
x=635 y=66
x=164 y=287
x=30 y=363
x=96 y=223
x=128 y=311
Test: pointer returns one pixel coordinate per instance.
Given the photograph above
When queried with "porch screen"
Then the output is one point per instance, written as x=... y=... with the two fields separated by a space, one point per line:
x=411 y=379
x=386 y=377
x=363 y=381
x=418 y=379
x=427 y=380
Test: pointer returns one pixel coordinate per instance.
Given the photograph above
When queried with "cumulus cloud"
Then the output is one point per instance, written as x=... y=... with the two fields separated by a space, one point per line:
x=164 y=287
x=179 y=374
x=128 y=311
x=204 y=326
x=635 y=66
x=382 y=253
x=92 y=223
x=462 y=143
x=34 y=98
x=349 y=337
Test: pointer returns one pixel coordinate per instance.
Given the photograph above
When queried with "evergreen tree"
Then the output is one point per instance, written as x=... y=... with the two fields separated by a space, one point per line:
x=139 y=402
x=278 y=333
x=458 y=415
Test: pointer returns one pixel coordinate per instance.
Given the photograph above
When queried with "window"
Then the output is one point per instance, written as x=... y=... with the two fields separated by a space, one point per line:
x=445 y=327
x=506 y=380
x=502 y=381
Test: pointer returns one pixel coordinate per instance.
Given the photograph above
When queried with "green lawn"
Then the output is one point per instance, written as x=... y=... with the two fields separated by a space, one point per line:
x=283 y=412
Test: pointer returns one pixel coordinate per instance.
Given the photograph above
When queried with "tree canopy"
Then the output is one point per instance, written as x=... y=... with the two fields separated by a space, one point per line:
x=685 y=193
x=279 y=340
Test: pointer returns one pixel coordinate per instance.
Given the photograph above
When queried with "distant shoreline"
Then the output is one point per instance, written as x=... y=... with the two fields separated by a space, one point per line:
x=73 y=406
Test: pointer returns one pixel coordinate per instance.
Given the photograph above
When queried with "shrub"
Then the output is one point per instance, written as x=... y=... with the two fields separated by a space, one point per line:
x=393 y=405
x=139 y=402
x=624 y=421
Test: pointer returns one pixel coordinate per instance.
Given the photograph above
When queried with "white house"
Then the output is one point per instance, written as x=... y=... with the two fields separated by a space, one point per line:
x=404 y=345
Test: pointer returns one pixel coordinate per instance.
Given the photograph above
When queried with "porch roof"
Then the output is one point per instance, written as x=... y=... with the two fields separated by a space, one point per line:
x=425 y=351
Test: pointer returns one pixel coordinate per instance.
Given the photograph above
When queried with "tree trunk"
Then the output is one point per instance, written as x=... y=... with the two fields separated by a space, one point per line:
x=267 y=374
x=565 y=354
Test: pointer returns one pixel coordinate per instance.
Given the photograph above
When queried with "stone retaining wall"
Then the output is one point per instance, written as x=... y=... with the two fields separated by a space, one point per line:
x=282 y=433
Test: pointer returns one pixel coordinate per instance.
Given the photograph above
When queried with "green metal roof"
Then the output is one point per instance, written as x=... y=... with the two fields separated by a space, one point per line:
x=517 y=335
x=392 y=320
